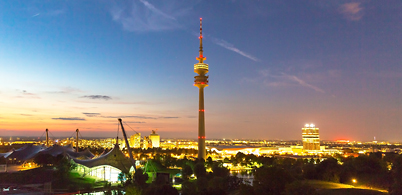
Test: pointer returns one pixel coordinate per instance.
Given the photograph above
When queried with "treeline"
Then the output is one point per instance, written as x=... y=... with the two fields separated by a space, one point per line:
x=287 y=175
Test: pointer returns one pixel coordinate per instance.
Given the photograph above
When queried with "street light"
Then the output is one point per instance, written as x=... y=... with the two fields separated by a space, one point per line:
x=354 y=180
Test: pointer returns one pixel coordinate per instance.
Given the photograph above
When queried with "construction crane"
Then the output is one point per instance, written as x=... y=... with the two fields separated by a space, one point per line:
x=127 y=144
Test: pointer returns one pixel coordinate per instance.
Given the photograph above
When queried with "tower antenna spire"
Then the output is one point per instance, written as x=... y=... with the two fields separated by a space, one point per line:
x=201 y=57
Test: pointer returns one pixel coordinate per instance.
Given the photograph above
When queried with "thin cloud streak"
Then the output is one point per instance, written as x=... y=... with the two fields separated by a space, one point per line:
x=155 y=10
x=352 y=11
x=91 y=114
x=69 y=119
x=143 y=16
x=136 y=20
x=169 y=117
x=303 y=83
x=231 y=47
x=138 y=122
x=95 y=97
x=282 y=80
x=130 y=116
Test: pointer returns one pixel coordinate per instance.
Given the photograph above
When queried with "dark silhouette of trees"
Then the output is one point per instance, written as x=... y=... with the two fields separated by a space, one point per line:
x=329 y=170
x=199 y=170
x=186 y=171
x=140 y=178
x=271 y=180
x=396 y=172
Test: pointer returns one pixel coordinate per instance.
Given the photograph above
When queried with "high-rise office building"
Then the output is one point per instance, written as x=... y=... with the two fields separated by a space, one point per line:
x=311 y=137
x=135 y=140
x=201 y=81
x=155 y=139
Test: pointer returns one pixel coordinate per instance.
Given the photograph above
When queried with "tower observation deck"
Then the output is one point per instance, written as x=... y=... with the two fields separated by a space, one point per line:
x=201 y=81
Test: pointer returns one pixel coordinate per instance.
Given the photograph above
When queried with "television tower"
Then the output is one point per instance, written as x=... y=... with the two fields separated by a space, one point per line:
x=201 y=81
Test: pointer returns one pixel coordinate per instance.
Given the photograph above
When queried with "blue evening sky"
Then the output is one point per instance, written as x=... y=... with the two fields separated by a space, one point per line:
x=274 y=66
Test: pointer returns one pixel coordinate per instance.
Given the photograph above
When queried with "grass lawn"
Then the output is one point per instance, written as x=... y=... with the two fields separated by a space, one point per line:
x=87 y=182
x=330 y=188
x=327 y=185
x=77 y=178
x=350 y=191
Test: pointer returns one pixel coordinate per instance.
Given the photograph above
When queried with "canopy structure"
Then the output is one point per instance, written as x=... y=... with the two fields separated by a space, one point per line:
x=5 y=155
x=29 y=151
x=86 y=154
x=56 y=150
x=25 y=153
x=107 y=166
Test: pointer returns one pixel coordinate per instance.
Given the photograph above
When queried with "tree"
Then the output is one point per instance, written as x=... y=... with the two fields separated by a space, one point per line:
x=210 y=162
x=133 y=190
x=140 y=178
x=161 y=189
x=396 y=171
x=329 y=170
x=271 y=180
x=246 y=189
x=188 y=188
x=63 y=168
x=219 y=171
x=199 y=170
x=121 y=177
x=202 y=184
x=186 y=172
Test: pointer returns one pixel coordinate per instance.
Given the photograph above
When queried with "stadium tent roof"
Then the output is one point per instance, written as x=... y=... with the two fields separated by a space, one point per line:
x=5 y=155
x=86 y=154
x=27 y=152
x=56 y=150
x=114 y=158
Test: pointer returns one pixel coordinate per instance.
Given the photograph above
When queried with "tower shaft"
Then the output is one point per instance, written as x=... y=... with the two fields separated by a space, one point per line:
x=47 y=138
x=201 y=81
x=201 y=125
x=76 y=140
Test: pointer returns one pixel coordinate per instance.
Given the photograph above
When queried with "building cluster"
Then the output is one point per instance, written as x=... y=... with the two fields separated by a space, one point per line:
x=151 y=141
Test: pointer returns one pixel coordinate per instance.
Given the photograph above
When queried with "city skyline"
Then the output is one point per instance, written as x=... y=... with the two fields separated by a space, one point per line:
x=276 y=66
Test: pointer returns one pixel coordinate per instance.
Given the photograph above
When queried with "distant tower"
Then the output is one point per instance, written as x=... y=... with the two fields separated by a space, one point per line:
x=201 y=81
x=311 y=137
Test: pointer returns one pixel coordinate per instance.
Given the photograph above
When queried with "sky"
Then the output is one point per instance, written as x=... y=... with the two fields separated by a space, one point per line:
x=273 y=67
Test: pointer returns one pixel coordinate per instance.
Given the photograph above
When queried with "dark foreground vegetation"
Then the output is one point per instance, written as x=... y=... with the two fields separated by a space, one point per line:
x=272 y=176
x=377 y=171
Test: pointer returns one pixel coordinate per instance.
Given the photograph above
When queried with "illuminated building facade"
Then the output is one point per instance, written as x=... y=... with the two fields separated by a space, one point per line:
x=155 y=139
x=135 y=140
x=201 y=81
x=310 y=137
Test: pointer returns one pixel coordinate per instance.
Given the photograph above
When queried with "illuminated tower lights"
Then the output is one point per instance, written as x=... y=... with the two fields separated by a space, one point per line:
x=311 y=137
x=201 y=81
